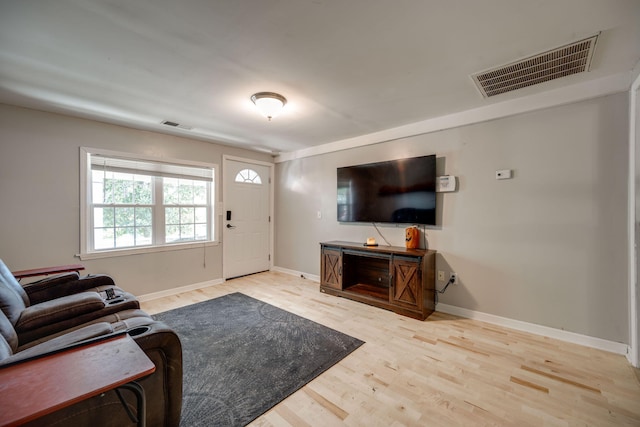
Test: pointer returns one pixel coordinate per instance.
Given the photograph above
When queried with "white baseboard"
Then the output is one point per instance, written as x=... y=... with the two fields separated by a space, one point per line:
x=174 y=291
x=312 y=277
x=572 y=337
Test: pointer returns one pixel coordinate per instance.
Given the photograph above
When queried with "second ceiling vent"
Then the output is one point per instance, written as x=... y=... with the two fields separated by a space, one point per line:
x=560 y=62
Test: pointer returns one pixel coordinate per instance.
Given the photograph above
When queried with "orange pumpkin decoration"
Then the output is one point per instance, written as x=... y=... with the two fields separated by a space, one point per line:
x=412 y=239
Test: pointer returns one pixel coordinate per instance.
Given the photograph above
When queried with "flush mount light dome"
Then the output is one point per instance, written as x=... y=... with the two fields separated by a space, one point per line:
x=269 y=103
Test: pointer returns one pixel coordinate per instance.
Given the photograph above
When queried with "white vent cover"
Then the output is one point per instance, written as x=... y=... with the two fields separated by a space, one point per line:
x=176 y=125
x=553 y=64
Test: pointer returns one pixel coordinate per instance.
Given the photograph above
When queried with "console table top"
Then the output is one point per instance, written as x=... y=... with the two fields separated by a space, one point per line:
x=40 y=386
x=47 y=270
x=398 y=250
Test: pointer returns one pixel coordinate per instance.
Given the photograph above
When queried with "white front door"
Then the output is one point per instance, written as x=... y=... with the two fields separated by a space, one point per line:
x=246 y=218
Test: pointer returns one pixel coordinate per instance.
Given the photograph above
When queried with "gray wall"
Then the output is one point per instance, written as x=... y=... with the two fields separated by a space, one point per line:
x=40 y=209
x=547 y=247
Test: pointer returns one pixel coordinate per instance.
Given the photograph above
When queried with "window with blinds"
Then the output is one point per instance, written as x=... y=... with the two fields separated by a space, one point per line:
x=137 y=203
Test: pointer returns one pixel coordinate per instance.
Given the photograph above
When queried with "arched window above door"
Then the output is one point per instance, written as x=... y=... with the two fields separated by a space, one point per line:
x=248 y=176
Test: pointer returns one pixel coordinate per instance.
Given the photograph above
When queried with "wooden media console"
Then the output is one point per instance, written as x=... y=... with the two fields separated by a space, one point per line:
x=390 y=277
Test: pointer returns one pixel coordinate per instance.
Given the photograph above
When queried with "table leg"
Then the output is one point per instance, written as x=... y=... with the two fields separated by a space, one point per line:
x=141 y=419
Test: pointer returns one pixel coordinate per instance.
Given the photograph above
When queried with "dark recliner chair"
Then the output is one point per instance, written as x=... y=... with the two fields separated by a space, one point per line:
x=59 y=303
x=163 y=388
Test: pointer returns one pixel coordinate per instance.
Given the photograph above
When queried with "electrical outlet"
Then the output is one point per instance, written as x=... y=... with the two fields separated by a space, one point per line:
x=453 y=278
x=440 y=276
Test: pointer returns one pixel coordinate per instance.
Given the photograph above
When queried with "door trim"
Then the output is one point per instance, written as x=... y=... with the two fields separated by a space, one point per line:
x=271 y=166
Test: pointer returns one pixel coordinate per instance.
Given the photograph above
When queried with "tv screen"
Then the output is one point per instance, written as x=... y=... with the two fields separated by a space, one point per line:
x=397 y=191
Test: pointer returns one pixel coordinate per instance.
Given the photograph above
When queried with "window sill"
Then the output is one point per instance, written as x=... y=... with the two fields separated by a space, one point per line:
x=145 y=250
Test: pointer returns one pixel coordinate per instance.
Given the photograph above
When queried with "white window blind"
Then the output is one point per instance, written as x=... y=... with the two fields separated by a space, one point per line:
x=153 y=168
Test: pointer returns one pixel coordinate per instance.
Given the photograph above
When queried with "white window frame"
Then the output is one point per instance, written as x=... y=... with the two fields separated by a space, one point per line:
x=86 y=251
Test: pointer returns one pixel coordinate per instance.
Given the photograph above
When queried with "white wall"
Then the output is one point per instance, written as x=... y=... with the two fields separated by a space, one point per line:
x=547 y=247
x=634 y=223
x=39 y=189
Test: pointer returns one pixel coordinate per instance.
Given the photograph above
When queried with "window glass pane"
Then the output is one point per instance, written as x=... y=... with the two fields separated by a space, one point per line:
x=200 y=193
x=99 y=217
x=103 y=238
x=186 y=232
x=144 y=236
x=201 y=232
x=143 y=190
x=248 y=176
x=172 y=233
x=186 y=215
x=170 y=191
x=201 y=215
x=120 y=188
x=124 y=192
x=185 y=192
x=103 y=217
x=172 y=216
x=97 y=190
x=143 y=216
x=109 y=185
x=125 y=237
x=125 y=217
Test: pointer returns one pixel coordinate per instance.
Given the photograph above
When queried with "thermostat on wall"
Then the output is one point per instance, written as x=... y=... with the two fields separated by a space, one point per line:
x=446 y=184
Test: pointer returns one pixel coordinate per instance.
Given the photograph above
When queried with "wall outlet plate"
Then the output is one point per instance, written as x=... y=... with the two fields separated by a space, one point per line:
x=504 y=174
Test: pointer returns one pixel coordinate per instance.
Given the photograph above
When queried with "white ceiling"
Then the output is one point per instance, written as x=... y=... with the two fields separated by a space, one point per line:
x=347 y=67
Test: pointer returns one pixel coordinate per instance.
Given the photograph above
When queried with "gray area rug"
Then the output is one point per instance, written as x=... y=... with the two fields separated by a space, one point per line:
x=242 y=356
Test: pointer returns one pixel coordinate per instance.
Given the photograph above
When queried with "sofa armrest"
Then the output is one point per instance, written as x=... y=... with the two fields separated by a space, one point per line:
x=162 y=345
x=60 y=343
x=58 y=310
x=63 y=285
x=163 y=388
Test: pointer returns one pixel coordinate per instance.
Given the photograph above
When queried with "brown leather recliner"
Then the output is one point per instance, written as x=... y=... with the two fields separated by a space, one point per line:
x=57 y=304
x=163 y=388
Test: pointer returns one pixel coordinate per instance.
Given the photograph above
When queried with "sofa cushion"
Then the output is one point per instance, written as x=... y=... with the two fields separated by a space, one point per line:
x=5 y=350
x=10 y=303
x=6 y=277
x=58 y=310
x=7 y=332
x=117 y=320
x=65 y=284
x=125 y=301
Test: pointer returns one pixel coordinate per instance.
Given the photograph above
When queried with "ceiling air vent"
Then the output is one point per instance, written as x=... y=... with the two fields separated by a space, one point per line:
x=176 y=125
x=553 y=64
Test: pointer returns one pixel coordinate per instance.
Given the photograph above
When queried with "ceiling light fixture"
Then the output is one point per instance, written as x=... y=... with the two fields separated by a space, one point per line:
x=269 y=103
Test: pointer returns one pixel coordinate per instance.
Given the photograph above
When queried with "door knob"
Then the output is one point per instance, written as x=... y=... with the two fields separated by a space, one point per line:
x=231 y=226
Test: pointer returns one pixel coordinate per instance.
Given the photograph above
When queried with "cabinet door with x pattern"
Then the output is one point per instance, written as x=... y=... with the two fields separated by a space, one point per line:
x=407 y=283
x=331 y=268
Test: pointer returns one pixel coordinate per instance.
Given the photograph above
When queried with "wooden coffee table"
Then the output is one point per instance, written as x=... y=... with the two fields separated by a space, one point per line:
x=40 y=386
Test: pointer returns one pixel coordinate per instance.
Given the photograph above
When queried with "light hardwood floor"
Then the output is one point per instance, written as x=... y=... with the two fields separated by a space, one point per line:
x=445 y=371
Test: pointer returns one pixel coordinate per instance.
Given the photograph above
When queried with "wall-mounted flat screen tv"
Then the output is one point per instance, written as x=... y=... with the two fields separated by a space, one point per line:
x=397 y=191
